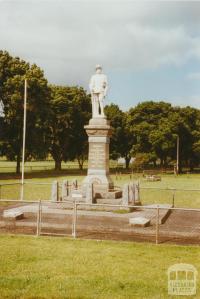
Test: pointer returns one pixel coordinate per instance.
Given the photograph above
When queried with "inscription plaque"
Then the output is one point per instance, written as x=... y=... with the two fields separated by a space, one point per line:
x=97 y=156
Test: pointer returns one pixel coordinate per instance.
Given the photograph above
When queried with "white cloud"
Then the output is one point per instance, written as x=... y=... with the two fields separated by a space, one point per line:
x=194 y=76
x=68 y=38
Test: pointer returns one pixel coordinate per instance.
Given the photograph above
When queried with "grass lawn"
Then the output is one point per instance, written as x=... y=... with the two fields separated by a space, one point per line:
x=46 y=267
x=35 y=166
x=190 y=199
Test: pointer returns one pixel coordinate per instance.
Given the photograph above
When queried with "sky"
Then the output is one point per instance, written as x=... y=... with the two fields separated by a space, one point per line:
x=149 y=50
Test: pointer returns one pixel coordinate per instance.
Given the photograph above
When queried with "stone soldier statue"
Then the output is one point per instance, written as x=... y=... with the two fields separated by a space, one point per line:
x=98 y=88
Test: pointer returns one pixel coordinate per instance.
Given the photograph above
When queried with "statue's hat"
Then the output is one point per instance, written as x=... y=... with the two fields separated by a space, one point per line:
x=98 y=66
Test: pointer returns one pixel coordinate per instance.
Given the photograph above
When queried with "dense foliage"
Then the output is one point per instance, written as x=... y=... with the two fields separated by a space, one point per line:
x=13 y=72
x=149 y=132
x=70 y=111
x=56 y=116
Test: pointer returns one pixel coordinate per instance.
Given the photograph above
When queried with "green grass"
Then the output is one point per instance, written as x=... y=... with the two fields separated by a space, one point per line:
x=190 y=199
x=44 y=267
x=35 y=166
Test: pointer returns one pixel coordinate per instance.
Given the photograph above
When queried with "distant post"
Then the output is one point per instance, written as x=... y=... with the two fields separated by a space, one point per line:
x=24 y=140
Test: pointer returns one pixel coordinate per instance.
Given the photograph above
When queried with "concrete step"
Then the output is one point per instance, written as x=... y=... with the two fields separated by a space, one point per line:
x=151 y=214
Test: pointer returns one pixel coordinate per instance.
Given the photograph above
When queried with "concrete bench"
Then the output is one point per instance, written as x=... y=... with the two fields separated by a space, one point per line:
x=153 y=178
x=13 y=214
x=139 y=221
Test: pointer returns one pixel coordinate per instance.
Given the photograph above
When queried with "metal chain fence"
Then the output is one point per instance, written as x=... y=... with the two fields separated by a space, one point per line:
x=91 y=221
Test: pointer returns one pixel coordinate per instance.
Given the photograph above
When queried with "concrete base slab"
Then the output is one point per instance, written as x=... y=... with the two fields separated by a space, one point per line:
x=139 y=221
x=109 y=201
x=182 y=227
x=114 y=194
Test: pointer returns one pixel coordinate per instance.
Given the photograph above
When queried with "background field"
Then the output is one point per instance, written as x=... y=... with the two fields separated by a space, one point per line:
x=63 y=268
x=35 y=166
x=41 y=189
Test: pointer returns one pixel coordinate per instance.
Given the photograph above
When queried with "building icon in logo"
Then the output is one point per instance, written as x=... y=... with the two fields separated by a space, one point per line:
x=182 y=279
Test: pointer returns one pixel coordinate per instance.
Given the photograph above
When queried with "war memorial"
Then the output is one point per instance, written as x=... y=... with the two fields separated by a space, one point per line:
x=96 y=200
x=99 y=163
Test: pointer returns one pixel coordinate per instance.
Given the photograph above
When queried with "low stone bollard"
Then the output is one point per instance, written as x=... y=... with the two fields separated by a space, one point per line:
x=74 y=184
x=55 y=191
x=125 y=198
x=90 y=193
x=131 y=194
x=131 y=200
x=65 y=189
x=137 y=193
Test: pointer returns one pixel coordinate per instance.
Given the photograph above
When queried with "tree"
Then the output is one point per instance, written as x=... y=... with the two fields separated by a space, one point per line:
x=121 y=139
x=144 y=122
x=186 y=124
x=156 y=126
x=163 y=141
x=70 y=111
x=141 y=160
x=81 y=113
x=12 y=76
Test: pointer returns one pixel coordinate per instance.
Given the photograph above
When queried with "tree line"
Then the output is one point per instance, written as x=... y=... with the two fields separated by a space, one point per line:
x=56 y=116
x=149 y=132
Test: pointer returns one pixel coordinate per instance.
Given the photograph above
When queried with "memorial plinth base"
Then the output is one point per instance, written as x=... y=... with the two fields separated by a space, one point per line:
x=99 y=132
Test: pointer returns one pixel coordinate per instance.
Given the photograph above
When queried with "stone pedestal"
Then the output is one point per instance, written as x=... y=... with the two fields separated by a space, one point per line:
x=99 y=132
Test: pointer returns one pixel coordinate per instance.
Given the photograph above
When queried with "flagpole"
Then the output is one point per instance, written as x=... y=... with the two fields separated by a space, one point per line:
x=177 y=155
x=24 y=140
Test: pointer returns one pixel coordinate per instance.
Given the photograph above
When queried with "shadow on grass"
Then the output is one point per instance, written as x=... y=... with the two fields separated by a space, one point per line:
x=43 y=174
x=50 y=173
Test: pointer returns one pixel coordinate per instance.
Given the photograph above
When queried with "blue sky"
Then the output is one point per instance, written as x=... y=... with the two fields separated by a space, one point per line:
x=149 y=50
x=176 y=85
